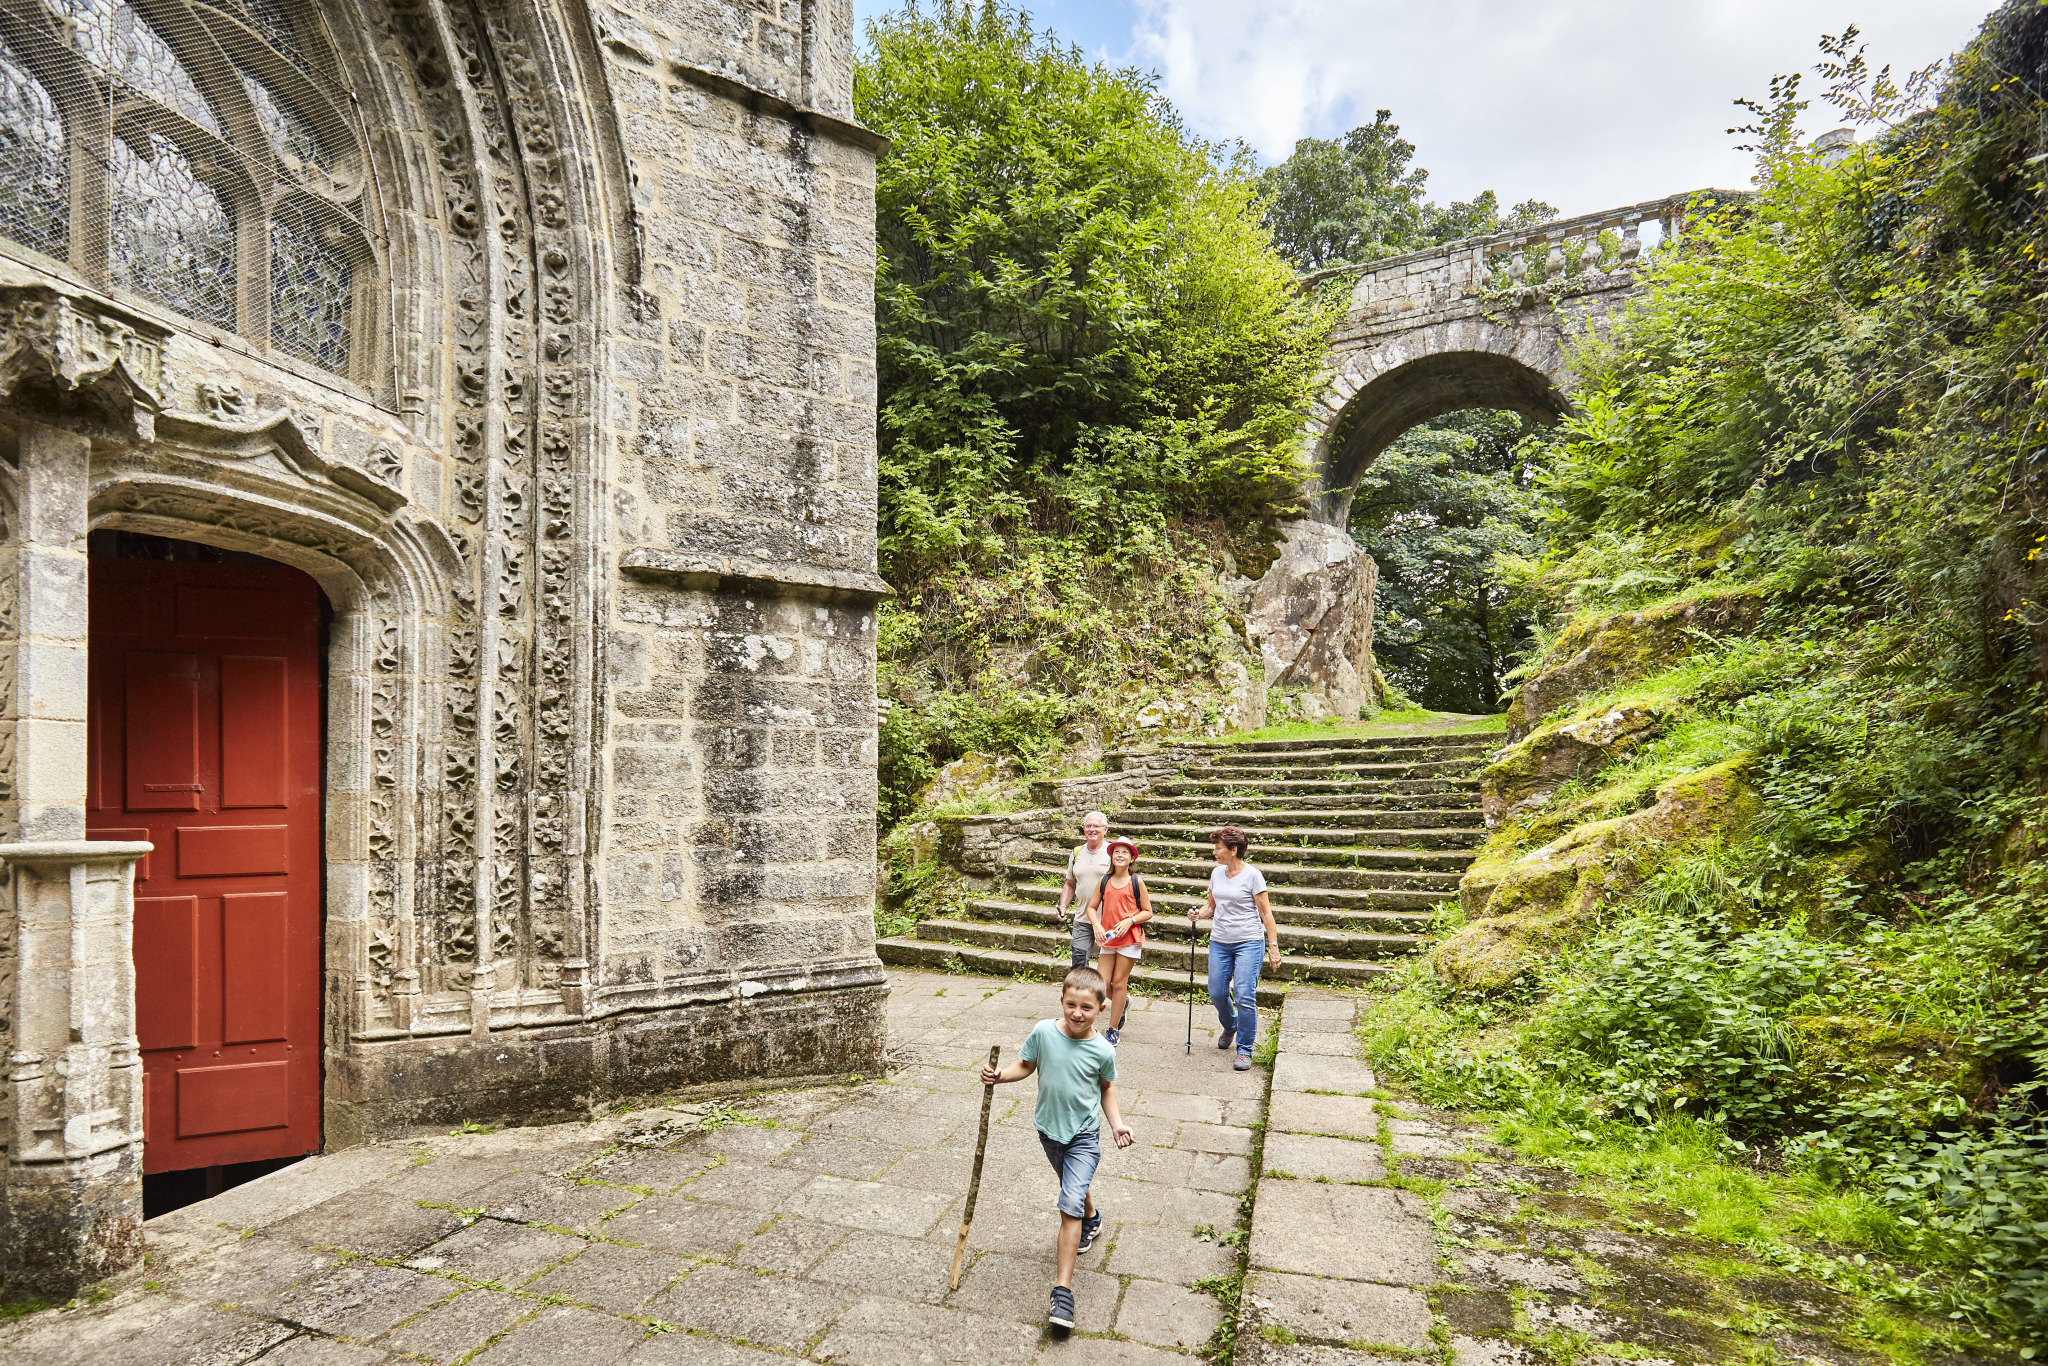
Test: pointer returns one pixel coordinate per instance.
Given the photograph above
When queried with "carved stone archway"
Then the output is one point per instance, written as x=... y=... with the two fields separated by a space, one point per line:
x=387 y=573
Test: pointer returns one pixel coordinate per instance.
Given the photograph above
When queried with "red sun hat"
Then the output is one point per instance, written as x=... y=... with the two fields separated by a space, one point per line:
x=1126 y=844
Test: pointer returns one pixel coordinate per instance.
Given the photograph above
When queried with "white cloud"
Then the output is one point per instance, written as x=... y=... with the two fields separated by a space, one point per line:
x=1588 y=104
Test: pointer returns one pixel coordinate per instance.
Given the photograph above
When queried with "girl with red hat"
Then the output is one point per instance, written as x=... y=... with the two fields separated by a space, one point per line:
x=1119 y=910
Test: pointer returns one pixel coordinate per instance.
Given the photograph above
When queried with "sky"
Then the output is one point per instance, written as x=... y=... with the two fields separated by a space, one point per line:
x=1585 y=104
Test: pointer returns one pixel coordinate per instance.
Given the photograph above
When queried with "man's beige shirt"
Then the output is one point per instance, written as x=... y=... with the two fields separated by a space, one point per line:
x=1087 y=869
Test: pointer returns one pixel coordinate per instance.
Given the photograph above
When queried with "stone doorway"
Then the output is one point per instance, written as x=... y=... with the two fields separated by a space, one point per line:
x=205 y=738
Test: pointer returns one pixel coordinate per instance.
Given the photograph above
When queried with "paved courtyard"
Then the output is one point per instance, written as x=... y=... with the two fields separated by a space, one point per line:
x=813 y=1224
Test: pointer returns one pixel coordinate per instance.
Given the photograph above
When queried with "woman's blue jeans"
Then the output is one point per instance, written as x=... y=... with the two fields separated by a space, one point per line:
x=1234 y=987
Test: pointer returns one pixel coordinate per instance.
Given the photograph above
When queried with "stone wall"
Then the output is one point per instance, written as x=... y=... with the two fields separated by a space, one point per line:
x=593 y=505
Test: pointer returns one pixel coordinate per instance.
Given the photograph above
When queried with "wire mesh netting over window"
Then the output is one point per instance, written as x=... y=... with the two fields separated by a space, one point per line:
x=205 y=158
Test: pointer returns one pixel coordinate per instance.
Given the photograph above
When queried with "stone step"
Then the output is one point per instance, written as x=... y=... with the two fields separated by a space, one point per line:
x=1346 y=770
x=1350 y=742
x=1285 y=787
x=1324 y=758
x=1287 y=878
x=1266 y=839
x=1299 y=904
x=1173 y=929
x=1235 y=803
x=1054 y=945
x=1192 y=860
x=922 y=953
x=1338 y=818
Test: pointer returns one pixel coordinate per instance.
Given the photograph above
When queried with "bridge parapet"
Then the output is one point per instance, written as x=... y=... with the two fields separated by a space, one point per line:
x=1592 y=254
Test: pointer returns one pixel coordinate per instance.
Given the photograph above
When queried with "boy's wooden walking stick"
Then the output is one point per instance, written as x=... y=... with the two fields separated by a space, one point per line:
x=988 y=1095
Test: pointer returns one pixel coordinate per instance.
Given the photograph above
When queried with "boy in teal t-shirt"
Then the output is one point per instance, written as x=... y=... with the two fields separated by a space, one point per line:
x=1076 y=1087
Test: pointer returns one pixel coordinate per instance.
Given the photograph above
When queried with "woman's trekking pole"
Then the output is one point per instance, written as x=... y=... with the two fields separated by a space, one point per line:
x=1191 y=986
x=988 y=1095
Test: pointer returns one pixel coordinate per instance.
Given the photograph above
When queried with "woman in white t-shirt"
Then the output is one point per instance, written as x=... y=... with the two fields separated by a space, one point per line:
x=1242 y=940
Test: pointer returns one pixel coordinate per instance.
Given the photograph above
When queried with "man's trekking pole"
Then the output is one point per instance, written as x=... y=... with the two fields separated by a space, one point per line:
x=988 y=1095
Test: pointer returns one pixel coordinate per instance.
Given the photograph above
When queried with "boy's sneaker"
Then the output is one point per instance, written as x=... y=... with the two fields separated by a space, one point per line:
x=1091 y=1228
x=1062 y=1312
x=1112 y=1034
x=1243 y=1063
x=1224 y=1039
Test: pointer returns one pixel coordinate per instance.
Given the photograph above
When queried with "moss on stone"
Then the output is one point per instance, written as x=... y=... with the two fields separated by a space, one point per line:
x=1530 y=907
x=1598 y=652
x=1845 y=1056
x=1526 y=774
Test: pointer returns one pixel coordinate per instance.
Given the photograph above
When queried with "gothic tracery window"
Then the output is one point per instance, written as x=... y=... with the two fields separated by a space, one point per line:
x=34 y=203
x=196 y=153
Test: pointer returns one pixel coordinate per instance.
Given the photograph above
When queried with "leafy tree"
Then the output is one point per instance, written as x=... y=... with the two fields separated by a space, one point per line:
x=1355 y=199
x=1083 y=324
x=1444 y=510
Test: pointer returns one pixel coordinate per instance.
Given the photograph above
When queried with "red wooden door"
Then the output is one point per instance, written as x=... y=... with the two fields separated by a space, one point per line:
x=205 y=740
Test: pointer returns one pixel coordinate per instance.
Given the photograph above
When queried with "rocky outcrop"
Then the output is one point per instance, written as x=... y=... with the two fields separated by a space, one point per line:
x=1530 y=773
x=971 y=775
x=1529 y=907
x=1311 y=619
x=1603 y=651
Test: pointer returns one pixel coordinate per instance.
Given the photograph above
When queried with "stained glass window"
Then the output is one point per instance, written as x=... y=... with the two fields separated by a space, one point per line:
x=290 y=134
x=191 y=202
x=34 y=203
x=117 y=39
x=310 y=289
x=276 y=25
x=174 y=238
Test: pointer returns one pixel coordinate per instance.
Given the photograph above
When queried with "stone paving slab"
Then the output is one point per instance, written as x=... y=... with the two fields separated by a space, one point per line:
x=811 y=1224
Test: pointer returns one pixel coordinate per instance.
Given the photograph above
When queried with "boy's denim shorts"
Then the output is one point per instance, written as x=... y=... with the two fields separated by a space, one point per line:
x=1075 y=1161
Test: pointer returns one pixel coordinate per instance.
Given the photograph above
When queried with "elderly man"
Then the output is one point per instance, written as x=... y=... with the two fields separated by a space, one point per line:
x=1086 y=868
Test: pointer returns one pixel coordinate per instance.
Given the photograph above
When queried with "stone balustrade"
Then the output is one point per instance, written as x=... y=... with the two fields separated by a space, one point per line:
x=1592 y=253
x=71 y=1115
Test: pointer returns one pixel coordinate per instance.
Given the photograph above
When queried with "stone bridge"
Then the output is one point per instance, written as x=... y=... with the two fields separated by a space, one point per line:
x=1481 y=323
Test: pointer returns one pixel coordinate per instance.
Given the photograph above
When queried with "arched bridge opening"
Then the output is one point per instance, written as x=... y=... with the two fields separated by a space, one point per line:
x=1419 y=391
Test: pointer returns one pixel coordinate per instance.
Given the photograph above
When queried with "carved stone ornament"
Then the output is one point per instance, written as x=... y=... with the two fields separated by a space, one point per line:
x=57 y=349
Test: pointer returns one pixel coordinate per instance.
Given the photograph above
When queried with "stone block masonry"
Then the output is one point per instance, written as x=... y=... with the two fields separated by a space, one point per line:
x=583 y=466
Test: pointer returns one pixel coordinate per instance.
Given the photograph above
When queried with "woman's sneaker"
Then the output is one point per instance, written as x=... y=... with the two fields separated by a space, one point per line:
x=1243 y=1063
x=1224 y=1039
x=1062 y=1312
x=1091 y=1227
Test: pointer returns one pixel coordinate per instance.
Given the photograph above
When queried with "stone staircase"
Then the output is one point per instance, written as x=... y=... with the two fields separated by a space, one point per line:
x=1360 y=839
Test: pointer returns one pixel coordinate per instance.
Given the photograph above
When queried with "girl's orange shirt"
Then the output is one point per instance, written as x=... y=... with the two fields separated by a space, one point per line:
x=1120 y=904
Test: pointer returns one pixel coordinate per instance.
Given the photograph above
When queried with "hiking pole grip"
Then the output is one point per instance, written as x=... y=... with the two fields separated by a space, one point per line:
x=988 y=1096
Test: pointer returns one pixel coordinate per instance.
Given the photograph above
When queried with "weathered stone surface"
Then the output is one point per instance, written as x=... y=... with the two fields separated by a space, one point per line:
x=879 y=1332
x=1311 y=620
x=1527 y=906
x=1343 y=1116
x=1604 y=651
x=583 y=462
x=1360 y=1233
x=610 y=1277
x=1475 y=324
x=1294 y=1071
x=739 y=1285
x=1528 y=774
x=769 y=1310
x=1168 y=1315
x=1317 y=1307
x=1312 y=1158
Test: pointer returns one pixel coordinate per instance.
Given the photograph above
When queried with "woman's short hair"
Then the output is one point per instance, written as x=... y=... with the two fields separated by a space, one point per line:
x=1233 y=839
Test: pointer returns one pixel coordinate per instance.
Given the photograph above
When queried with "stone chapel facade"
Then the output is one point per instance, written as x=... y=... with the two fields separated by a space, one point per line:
x=437 y=514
